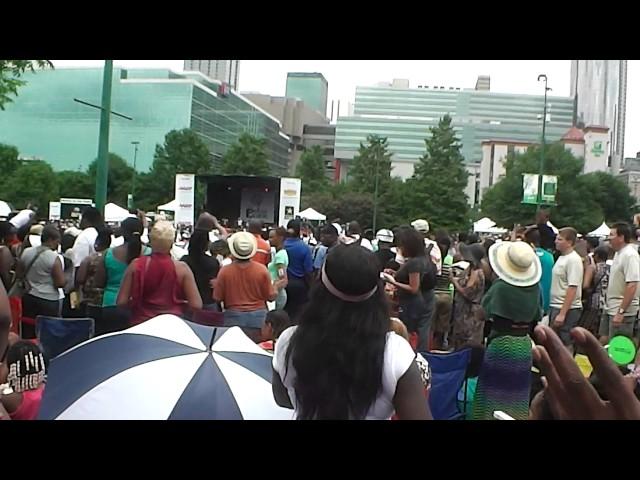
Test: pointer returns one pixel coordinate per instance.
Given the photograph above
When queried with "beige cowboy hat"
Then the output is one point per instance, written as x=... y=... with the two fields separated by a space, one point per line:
x=243 y=245
x=516 y=263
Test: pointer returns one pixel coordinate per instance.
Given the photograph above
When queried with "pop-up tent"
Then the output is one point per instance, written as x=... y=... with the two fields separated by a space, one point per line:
x=601 y=231
x=172 y=206
x=5 y=209
x=311 y=214
x=486 y=225
x=113 y=213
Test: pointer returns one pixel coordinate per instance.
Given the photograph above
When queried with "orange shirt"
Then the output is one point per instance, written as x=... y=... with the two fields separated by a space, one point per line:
x=263 y=254
x=243 y=286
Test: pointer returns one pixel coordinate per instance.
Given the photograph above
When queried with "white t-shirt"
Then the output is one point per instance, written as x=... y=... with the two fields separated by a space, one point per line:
x=398 y=357
x=84 y=245
x=358 y=239
x=567 y=272
x=625 y=269
x=436 y=254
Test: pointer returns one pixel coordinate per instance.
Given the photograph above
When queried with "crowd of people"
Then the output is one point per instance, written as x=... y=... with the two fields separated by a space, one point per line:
x=347 y=314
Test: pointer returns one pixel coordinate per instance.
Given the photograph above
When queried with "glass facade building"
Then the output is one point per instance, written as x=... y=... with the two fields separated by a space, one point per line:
x=600 y=90
x=311 y=88
x=45 y=122
x=404 y=116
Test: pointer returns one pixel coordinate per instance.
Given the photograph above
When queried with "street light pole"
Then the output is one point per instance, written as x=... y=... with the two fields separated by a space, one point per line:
x=133 y=175
x=375 y=195
x=544 y=124
x=103 y=141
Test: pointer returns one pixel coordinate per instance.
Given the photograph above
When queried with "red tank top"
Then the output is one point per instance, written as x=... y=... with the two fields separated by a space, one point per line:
x=155 y=289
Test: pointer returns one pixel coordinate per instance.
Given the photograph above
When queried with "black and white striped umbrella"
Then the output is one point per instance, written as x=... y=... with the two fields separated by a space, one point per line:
x=165 y=368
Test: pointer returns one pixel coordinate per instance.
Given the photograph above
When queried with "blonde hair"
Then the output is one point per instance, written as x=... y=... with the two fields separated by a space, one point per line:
x=399 y=328
x=162 y=236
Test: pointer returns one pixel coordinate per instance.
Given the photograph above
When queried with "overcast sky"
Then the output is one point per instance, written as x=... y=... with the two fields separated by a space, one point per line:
x=508 y=76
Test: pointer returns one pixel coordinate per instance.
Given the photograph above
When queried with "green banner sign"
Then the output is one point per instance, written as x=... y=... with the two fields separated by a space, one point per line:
x=530 y=188
x=549 y=188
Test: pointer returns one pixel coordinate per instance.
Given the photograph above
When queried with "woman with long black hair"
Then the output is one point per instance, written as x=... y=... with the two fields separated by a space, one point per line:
x=205 y=268
x=110 y=273
x=342 y=362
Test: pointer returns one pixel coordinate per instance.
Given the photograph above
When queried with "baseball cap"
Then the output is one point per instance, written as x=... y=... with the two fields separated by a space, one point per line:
x=421 y=225
x=385 y=235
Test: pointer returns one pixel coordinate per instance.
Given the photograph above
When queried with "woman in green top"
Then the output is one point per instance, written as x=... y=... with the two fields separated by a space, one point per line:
x=116 y=261
x=513 y=304
x=278 y=265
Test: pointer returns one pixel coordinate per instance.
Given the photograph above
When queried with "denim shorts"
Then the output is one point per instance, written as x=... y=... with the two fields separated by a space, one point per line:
x=255 y=319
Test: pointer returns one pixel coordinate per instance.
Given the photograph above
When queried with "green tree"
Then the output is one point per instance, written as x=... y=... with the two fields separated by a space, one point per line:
x=341 y=201
x=11 y=72
x=9 y=162
x=119 y=180
x=183 y=151
x=613 y=196
x=312 y=171
x=577 y=206
x=248 y=156
x=436 y=189
x=32 y=183
x=373 y=159
x=74 y=184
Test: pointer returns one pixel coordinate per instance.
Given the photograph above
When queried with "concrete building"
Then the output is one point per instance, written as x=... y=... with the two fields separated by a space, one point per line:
x=293 y=114
x=45 y=122
x=630 y=176
x=492 y=166
x=600 y=90
x=324 y=136
x=311 y=88
x=404 y=116
x=227 y=71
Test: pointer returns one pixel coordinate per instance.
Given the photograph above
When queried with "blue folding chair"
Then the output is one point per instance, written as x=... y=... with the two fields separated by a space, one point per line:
x=57 y=335
x=448 y=374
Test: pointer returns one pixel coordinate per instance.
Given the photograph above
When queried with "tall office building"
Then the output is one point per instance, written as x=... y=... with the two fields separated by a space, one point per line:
x=404 y=116
x=224 y=70
x=600 y=90
x=311 y=88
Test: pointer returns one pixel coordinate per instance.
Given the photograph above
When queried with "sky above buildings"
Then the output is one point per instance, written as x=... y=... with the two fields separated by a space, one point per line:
x=507 y=76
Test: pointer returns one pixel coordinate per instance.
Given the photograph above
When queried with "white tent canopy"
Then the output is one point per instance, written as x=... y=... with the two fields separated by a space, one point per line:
x=5 y=209
x=172 y=206
x=485 y=225
x=601 y=231
x=115 y=213
x=311 y=214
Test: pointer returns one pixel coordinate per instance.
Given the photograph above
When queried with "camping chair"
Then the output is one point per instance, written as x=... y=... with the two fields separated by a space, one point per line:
x=208 y=318
x=57 y=335
x=448 y=375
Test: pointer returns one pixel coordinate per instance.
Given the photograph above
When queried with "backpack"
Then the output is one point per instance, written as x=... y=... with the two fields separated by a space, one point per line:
x=429 y=277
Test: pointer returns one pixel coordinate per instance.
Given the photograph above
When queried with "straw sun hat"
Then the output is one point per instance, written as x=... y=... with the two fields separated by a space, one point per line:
x=243 y=245
x=516 y=263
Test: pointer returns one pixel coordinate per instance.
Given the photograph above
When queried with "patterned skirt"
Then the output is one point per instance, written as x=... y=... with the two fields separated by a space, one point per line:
x=504 y=382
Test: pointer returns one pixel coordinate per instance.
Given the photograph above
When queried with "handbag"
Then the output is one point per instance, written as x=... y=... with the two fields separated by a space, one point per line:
x=21 y=286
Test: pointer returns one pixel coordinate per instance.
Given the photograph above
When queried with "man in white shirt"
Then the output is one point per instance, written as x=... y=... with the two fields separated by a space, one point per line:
x=84 y=244
x=622 y=301
x=566 y=287
x=436 y=255
x=354 y=234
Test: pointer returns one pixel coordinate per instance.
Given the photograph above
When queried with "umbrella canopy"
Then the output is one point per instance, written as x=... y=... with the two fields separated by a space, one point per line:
x=311 y=214
x=5 y=209
x=172 y=206
x=163 y=369
x=601 y=231
x=115 y=213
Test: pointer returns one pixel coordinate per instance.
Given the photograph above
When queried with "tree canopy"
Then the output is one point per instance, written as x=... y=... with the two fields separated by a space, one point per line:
x=11 y=72
x=248 y=156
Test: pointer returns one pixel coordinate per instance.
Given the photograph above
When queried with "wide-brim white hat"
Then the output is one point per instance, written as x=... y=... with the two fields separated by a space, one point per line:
x=515 y=263
x=243 y=245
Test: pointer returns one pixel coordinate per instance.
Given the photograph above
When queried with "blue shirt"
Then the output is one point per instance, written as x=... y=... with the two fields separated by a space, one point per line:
x=546 y=262
x=300 y=262
x=320 y=254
